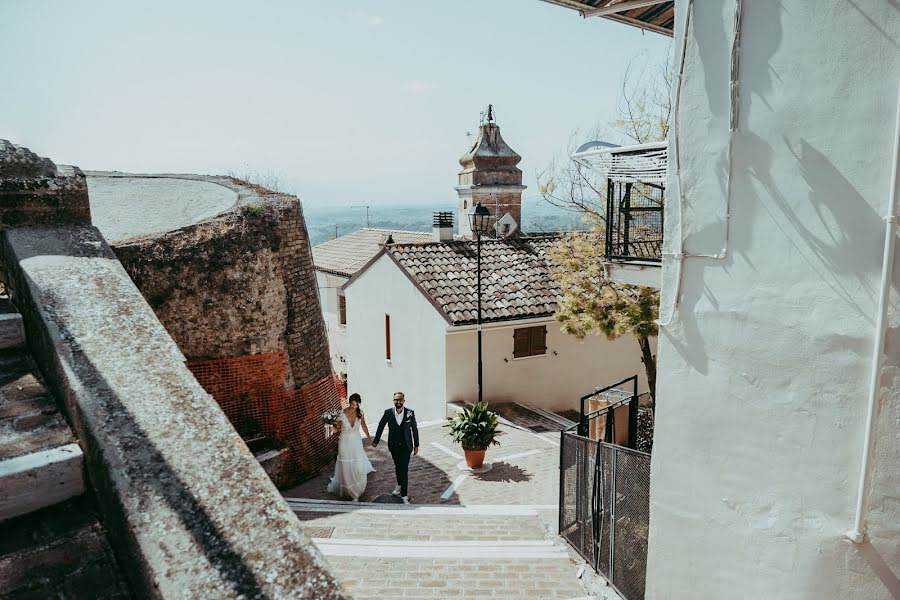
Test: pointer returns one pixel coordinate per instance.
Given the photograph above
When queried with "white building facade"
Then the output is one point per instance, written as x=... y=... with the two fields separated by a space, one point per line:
x=780 y=163
x=336 y=261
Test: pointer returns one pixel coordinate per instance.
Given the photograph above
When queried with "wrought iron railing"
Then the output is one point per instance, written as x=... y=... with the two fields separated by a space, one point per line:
x=634 y=220
x=604 y=493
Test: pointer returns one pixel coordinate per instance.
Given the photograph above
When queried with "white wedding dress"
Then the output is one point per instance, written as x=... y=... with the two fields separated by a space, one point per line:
x=352 y=466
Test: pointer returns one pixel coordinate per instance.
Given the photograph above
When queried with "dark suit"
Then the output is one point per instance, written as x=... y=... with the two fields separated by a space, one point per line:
x=402 y=440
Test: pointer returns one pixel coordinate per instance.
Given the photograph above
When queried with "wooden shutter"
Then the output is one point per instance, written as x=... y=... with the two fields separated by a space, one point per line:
x=521 y=343
x=387 y=337
x=538 y=340
x=342 y=309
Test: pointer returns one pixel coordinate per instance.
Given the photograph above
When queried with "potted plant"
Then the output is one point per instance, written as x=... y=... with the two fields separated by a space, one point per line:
x=475 y=428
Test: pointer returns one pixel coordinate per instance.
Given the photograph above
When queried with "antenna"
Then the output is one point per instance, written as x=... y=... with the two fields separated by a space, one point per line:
x=366 y=206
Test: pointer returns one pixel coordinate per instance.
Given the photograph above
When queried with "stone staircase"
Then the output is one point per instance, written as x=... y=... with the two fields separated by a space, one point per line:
x=51 y=543
x=431 y=551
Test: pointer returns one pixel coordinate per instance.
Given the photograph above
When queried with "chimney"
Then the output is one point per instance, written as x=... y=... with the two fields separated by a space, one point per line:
x=442 y=226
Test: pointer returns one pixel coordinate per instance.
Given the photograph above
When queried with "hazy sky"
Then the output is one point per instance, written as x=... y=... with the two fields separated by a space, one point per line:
x=350 y=102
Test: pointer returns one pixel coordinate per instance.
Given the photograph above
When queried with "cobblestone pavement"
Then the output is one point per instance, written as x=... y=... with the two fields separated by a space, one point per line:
x=525 y=470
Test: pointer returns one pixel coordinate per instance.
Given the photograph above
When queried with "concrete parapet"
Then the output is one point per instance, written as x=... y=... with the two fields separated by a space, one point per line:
x=34 y=191
x=188 y=510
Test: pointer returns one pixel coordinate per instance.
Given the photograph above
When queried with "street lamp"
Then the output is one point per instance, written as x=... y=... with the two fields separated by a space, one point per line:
x=479 y=219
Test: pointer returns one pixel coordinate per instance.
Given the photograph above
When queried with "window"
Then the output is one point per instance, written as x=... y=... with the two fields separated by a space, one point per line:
x=387 y=337
x=342 y=309
x=529 y=341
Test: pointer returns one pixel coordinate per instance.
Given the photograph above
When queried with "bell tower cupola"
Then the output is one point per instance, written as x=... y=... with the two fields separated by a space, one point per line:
x=489 y=175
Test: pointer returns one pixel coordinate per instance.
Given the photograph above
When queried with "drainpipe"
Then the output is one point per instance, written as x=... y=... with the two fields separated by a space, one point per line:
x=858 y=534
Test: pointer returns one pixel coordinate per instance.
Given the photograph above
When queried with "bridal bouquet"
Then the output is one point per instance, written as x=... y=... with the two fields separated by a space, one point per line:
x=329 y=419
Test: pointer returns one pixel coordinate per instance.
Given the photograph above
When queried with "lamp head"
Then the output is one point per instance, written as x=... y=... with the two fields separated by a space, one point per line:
x=479 y=219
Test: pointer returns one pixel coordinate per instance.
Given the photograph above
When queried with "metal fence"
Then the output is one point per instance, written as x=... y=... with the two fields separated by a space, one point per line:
x=634 y=226
x=604 y=494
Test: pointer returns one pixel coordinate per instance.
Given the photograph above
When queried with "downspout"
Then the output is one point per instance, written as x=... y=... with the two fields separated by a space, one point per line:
x=858 y=534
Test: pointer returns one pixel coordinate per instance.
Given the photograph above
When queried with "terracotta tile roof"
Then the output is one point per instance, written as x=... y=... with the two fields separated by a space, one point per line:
x=349 y=253
x=515 y=277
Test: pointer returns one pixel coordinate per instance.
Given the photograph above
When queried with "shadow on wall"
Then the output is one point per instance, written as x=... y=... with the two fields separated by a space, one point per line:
x=882 y=570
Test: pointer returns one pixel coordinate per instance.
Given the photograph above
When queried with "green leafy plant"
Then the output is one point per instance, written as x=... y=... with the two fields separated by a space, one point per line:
x=475 y=428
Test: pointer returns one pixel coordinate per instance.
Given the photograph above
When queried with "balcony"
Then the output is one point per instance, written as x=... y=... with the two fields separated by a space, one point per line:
x=635 y=199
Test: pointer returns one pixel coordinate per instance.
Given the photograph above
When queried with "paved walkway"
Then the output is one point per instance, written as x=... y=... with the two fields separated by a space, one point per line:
x=525 y=469
x=489 y=535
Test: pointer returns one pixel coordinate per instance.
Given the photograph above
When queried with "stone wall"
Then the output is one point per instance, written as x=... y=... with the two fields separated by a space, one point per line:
x=35 y=191
x=238 y=286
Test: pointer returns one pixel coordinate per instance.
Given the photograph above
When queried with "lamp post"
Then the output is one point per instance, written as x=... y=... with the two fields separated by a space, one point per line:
x=479 y=219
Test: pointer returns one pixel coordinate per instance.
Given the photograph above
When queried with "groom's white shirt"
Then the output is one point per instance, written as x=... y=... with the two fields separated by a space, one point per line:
x=398 y=416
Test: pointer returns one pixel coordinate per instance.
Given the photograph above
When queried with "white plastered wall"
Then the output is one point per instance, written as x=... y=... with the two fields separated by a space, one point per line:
x=555 y=380
x=763 y=370
x=329 y=287
x=417 y=343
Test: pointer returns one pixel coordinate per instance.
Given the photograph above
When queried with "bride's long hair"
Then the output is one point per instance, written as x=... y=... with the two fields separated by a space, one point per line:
x=356 y=397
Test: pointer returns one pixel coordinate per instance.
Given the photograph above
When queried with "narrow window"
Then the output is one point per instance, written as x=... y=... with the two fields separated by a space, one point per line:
x=342 y=309
x=529 y=341
x=387 y=337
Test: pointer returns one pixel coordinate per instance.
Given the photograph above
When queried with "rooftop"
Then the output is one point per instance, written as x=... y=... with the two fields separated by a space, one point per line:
x=651 y=15
x=515 y=277
x=349 y=253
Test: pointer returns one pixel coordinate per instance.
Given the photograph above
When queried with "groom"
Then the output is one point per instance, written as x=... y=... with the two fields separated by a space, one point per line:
x=403 y=439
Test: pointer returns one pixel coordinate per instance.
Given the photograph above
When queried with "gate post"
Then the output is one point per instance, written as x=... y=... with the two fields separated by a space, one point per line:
x=612 y=514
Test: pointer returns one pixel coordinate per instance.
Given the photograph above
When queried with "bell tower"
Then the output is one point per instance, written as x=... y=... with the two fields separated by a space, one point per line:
x=490 y=176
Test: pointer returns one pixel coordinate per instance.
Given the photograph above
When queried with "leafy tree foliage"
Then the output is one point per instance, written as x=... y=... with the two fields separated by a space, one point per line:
x=592 y=303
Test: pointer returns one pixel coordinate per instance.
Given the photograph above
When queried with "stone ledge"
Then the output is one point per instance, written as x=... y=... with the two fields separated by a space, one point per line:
x=187 y=508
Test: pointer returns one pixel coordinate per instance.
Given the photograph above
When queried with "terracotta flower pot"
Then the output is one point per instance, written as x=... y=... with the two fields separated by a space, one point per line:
x=474 y=458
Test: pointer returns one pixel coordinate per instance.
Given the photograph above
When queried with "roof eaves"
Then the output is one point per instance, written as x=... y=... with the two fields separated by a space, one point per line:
x=527 y=317
x=333 y=271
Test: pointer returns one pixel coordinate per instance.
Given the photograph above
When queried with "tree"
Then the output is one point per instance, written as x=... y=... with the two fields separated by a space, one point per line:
x=592 y=303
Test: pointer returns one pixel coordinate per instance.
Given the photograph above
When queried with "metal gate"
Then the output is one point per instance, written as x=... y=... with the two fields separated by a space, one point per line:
x=604 y=494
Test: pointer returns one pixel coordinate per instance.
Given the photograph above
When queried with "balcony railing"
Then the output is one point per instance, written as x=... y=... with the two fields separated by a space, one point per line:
x=635 y=197
x=634 y=221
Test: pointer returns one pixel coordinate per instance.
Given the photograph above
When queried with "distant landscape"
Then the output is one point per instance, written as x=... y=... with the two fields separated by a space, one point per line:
x=327 y=222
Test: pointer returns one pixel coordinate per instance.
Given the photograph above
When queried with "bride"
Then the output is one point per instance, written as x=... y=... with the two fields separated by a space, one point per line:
x=352 y=464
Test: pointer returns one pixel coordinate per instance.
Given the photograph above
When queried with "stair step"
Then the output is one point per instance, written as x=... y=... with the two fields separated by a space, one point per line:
x=59 y=552
x=12 y=331
x=339 y=506
x=396 y=549
x=40 y=461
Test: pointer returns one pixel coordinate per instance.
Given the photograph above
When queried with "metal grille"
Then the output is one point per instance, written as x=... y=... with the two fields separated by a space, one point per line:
x=634 y=220
x=604 y=509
